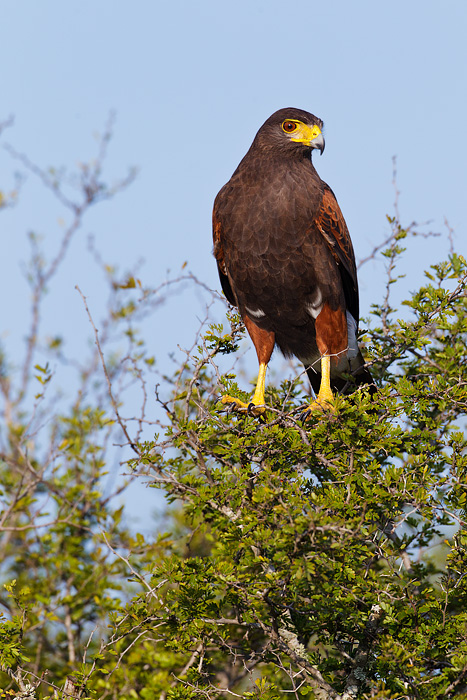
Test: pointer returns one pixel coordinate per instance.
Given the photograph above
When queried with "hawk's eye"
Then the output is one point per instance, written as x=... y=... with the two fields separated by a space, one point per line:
x=289 y=126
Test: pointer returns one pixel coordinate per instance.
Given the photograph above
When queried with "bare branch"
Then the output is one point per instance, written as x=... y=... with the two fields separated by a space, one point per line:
x=104 y=367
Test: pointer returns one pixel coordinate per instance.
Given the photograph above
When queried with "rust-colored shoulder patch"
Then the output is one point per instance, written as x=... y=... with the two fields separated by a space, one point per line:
x=330 y=222
x=332 y=226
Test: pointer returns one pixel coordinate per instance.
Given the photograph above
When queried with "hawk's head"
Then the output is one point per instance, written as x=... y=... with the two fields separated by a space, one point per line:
x=291 y=129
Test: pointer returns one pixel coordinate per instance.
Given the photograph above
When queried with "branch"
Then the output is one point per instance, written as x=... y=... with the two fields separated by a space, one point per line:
x=104 y=367
x=133 y=571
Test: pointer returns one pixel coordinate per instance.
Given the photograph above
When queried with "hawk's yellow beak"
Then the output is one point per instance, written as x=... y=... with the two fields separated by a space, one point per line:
x=318 y=142
x=310 y=136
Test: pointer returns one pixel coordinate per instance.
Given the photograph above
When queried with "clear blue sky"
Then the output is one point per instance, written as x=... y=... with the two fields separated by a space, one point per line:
x=191 y=82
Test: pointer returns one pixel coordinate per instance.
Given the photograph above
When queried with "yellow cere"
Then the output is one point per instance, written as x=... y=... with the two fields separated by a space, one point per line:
x=302 y=133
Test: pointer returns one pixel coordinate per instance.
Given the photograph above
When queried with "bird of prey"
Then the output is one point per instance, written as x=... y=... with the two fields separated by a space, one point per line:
x=285 y=259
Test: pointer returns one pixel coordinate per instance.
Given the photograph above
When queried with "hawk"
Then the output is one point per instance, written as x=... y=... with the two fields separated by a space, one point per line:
x=285 y=259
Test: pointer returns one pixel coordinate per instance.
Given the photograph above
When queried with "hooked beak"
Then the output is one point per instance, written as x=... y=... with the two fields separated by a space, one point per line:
x=318 y=142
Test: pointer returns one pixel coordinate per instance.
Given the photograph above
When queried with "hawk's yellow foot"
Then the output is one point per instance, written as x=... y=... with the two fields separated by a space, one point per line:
x=256 y=406
x=242 y=407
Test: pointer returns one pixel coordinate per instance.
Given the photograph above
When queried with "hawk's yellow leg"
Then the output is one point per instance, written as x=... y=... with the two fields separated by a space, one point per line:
x=256 y=405
x=325 y=398
x=325 y=395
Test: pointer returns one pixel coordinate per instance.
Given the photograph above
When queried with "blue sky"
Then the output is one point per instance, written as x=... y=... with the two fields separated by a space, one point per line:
x=191 y=83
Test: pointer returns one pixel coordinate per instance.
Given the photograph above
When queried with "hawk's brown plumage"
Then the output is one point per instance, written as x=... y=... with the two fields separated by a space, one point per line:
x=284 y=253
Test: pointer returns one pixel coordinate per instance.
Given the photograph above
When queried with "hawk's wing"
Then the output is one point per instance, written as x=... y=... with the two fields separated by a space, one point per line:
x=219 y=255
x=331 y=224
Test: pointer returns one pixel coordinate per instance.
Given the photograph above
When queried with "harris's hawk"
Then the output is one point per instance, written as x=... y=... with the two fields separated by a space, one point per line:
x=286 y=260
